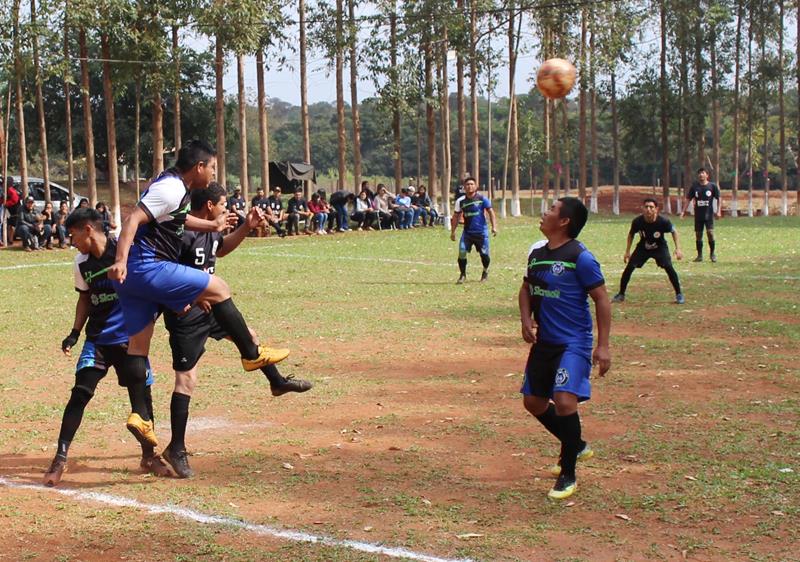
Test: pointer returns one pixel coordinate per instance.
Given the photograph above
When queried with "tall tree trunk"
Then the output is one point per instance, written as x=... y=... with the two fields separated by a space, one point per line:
x=557 y=140
x=797 y=85
x=137 y=165
x=665 y=180
x=68 y=109
x=393 y=76
x=342 y=142
x=91 y=177
x=750 y=210
x=419 y=145
x=715 y=112
x=353 y=40
x=219 y=112
x=765 y=163
x=462 y=108
x=566 y=163
x=615 y=137
x=686 y=123
x=18 y=75
x=546 y=171
x=513 y=43
x=111 y=129
x=176 y=56
x=263 y=129
x=158 y=131
x=582 y=109
x=304 y=94
x=473 y=94
x=40 y=105
x=782 y=116
x=429 y=120
x=698 y=115
x=244 y=176
x=447 y=165
x=593 y=118
x=737 y=64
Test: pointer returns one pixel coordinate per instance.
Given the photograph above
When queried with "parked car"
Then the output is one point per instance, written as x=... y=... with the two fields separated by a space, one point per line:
x=58 y=193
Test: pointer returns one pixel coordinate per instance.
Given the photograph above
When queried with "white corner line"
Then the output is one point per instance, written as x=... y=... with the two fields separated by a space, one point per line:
x=207 y=519
x=31 y=265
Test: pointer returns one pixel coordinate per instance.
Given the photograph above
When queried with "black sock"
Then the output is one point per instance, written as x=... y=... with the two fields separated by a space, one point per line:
x=134 y=374
x=273 y=375
x=63 y=448
x=147 y=449
x=137 y=394
x=485 y=260
x=712 y=245
x=673 y=278
x=571 y=442
x=230 y=319
x=699 y=245
x=462 y=266
x=626 y=277
x=71 y=421
x=178 y=417
x=550 y=421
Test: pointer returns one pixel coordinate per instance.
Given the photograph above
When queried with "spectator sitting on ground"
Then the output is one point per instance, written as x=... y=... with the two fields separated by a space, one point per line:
x=364 y=214
x=319 y=207
x=260 y=201
x=404 y=214
x=424 y=207
x=370 y=193
x=237 y=205
x=298 y=209
x=31 y=228
x=339 y=201
x=58 y=224
x=83 y=203
x=47 y=218
x=275 y=213
x=383 y=205
x=108 y=221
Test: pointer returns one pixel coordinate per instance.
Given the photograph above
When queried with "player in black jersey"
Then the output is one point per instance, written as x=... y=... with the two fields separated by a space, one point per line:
x=99 y=311
x=652 y=229
x=188 y=332
x=704 y=193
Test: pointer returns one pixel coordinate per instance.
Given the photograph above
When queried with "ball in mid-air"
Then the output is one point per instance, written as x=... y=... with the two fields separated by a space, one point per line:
x=555 y=78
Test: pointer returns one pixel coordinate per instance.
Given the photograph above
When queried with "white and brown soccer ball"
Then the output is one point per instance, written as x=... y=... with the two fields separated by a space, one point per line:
x=555 y=78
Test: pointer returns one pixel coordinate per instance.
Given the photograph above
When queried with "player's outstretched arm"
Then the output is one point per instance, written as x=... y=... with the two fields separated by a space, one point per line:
x=678 y=253
x=201 y=225
x=81 y=315
x=602 y=306
x=525 y=314
x=231 y=241
x=130 y=225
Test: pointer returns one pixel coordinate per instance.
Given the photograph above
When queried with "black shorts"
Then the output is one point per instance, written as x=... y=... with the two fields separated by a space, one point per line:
x=103 y=357
x=641 y=255
x=540 y=371
x=703 y=221
x=188 y=335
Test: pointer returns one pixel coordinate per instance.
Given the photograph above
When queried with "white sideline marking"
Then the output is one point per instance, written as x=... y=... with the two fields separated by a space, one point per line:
x=262 y=530
x=30 y=265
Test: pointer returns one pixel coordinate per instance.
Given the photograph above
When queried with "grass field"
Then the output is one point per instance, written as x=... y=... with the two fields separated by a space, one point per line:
x=414 y=435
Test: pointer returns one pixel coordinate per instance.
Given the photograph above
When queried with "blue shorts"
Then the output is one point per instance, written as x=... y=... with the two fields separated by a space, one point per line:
x=468 y=240
x=557 y=368
x=151 y=285
x=103 y=357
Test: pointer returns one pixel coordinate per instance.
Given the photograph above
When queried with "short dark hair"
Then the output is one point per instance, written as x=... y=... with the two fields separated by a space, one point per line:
x=298 y=190
x=192 y=153
x=466 y=179
x=573 y=209
x=214 y=192
x=650 y=200
x=83 y=215
x=701 y=170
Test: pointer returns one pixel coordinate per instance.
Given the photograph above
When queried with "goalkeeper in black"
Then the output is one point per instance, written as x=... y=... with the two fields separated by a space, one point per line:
x=653 y=230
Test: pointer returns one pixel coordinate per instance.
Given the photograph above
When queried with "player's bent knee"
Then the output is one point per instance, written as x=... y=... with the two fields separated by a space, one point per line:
x=536 y=405
x=566 y=403
x=185 y=382
x=217 y=290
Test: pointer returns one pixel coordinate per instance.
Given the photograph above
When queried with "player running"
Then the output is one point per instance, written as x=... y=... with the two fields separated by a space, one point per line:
x=148 y=278
x=554 y=311
x=474 y=207
x=653 y=229
x=188 y=332
x=98 y=309
x=704 y=193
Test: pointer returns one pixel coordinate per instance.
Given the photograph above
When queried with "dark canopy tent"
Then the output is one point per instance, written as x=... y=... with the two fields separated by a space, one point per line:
x=290 y=175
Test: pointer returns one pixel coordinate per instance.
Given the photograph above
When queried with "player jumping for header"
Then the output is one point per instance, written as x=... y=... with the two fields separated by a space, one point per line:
x=474 y=207
x=704 y=193
x=554 y=312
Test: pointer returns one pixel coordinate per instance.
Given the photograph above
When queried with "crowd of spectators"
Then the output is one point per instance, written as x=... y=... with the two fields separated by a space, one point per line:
x=342 y=211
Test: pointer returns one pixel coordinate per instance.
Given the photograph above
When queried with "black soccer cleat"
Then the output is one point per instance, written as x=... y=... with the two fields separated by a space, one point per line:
x=484 y=275
x=154 y=464
x=179 y=462
x=291 y=384
x=53 y=475
x=713 y=258
x=461 y=279
x=619 y=297
x=698 y=259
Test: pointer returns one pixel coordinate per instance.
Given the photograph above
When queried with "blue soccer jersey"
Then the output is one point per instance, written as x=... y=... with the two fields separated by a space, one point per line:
x=166 y=203
x=105 y=325
x=473 y=210
x=560 y=281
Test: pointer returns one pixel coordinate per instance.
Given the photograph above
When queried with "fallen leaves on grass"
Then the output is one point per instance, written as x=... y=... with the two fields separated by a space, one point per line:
x=622 y=516
x=288 y=466
x=469 y=536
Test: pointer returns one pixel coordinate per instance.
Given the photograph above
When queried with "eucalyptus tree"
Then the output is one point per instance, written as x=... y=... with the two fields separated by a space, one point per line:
x=18 y=98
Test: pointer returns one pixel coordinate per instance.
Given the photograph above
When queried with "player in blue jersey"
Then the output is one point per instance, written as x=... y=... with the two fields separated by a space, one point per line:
x=99 y=311
x=474 y=208
x=554 y=311
x=189 y=332
x=149 y=278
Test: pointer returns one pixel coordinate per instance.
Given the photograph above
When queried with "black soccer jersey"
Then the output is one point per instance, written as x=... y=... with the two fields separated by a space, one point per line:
x=260 y=203
x=652 y=235
x=236 y=204
x=275 y=204
x=105 y=325
x=704 y=196
x=166 y=202
x=199 y=251
x=297 y=205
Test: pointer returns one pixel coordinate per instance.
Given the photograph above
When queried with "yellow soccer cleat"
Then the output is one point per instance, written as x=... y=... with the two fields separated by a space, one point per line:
x=585 y=454
x=142 y=430
x=564 y=488
x=266 y=356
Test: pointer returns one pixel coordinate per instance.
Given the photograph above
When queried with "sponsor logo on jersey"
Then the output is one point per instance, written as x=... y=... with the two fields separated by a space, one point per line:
x=551 y=294
x=562 y=377
x=656 y=234
x=708 y=193
x=101 y=298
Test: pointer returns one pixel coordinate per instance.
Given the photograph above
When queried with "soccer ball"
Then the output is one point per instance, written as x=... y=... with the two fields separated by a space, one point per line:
x=555 y=78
